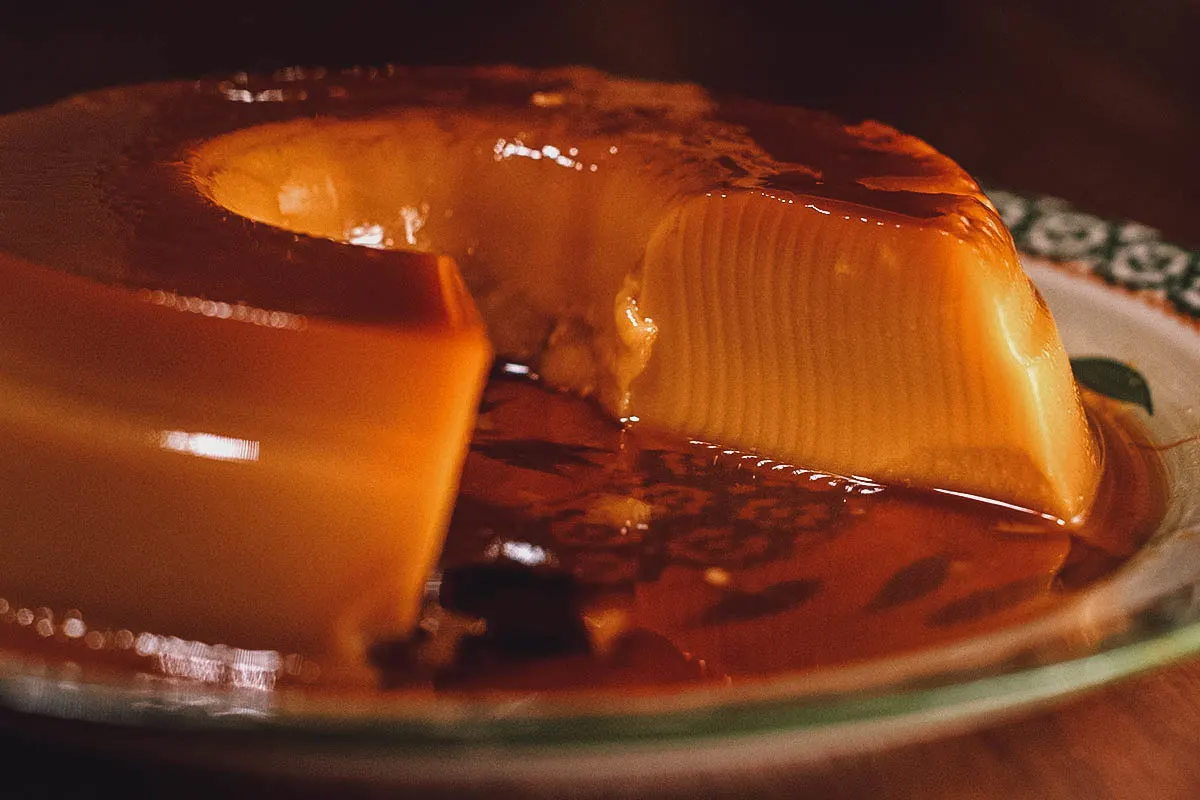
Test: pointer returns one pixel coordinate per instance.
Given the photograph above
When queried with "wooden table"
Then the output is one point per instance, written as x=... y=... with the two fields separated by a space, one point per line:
x=1098 y=104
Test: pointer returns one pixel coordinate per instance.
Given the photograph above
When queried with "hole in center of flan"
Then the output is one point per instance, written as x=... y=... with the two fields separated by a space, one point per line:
x=546 y=223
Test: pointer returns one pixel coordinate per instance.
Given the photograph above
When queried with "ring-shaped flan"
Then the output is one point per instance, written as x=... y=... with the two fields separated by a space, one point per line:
x=246 y=322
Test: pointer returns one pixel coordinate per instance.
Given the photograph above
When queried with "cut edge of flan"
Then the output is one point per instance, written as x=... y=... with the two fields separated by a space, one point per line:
x=911 y=356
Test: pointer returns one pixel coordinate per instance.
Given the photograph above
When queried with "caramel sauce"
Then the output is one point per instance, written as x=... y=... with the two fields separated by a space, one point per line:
x=664 y=560
x=830 y=160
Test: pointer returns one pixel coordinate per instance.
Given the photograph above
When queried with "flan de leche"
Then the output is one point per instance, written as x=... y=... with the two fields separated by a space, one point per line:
x=229 y=424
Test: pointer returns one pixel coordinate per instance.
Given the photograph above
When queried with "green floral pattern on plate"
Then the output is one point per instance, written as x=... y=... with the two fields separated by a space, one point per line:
x=1125 y=254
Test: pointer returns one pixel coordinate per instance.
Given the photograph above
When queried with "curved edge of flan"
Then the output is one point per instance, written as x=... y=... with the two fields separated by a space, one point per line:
x=782 y=329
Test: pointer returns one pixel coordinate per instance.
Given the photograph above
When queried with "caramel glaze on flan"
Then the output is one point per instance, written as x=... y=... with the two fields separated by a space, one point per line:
x=838 y=297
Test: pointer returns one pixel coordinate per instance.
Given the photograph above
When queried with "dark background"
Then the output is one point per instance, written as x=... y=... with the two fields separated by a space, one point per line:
x=1098 y=102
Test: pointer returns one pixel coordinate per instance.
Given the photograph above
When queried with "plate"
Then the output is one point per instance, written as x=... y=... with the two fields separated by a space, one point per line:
x=1118 y=292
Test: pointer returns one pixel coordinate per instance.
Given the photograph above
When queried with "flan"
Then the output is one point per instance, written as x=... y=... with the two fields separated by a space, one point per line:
x=227 y=422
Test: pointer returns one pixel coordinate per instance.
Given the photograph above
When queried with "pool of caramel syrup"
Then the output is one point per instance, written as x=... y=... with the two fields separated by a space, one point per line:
x=583 y=554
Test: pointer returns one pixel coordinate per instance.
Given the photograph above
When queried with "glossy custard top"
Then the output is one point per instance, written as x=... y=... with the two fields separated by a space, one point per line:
x=109 y=166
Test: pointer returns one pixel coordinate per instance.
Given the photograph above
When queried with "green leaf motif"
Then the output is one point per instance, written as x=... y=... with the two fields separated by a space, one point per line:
x=1113 y=379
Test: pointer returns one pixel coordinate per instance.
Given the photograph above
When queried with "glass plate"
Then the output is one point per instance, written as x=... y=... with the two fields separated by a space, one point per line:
x=1117 y=291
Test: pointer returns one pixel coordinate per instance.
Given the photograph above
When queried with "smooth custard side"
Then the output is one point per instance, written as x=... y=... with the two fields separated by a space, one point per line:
x=256 y=478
